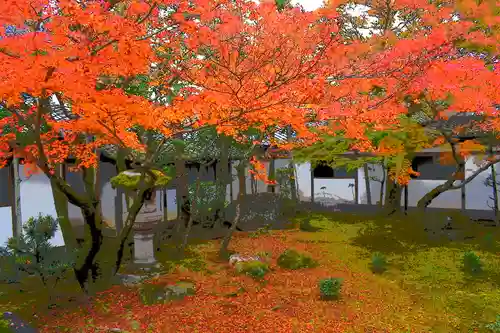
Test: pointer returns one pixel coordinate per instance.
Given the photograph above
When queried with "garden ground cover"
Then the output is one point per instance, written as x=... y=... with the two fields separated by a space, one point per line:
x=423 y=290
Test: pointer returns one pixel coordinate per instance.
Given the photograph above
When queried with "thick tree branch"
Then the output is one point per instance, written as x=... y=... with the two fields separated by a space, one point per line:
x=475 y=174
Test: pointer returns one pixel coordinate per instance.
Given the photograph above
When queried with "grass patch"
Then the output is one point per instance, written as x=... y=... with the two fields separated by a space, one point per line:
x=443 y=277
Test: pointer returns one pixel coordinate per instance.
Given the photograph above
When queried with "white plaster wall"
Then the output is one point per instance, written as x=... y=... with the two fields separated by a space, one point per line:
x=5 y=225
x=375 y=186
x=476 y=193
x=235 y=182
x=281 y=163
x=171 y=204
x=261 y=186
x=108 y=204
x=418 y=188
x=36 y=198
x=303 y=173
x=336 y=190
x=107 y=207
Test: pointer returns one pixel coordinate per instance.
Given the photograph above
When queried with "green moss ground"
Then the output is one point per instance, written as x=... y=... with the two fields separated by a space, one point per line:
x=431 y=271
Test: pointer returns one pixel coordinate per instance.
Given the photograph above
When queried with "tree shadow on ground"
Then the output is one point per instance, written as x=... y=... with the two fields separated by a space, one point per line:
x=408 y=233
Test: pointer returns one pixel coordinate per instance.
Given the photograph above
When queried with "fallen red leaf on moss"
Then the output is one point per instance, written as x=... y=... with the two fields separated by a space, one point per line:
x=226 y=302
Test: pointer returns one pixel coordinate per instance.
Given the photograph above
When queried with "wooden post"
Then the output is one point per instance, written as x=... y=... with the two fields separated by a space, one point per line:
x=368 y=189
x=15 y=185
x=165 y=204
x=406 y=199
x=272 y=175
x=312 y=183
x=356 y=187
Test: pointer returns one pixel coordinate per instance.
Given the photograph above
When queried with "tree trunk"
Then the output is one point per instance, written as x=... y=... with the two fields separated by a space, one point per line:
x=182 y=192
x=253 y=184
x=393 y=197
x=426 y=200
x=495 y=191
x=293 y=183
x=165 y=205
x=194 y=207
x=272 y=175
x=61 y=205
x=17 y=230
x=92 y=222
x=494 y=185
x=137 y=203
x=367 y=184
x=241 y=195
x=382 y=182
x=225 y=243
x=242 y=182
x=223 y=177
x=291 y=165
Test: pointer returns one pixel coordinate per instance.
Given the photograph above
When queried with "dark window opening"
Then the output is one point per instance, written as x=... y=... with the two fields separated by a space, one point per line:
x=324 y=171
x=430 y=168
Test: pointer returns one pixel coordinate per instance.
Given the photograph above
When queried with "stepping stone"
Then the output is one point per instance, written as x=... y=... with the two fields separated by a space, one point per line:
x=16 y=324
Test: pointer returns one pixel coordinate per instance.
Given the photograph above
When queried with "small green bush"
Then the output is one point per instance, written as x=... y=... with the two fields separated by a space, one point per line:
x=495 y=326
x=330 y=288
x=472 y=263
x=256 y=269
x=306 y=226
x=32 y=253
x=292 y=259
x=379 y=263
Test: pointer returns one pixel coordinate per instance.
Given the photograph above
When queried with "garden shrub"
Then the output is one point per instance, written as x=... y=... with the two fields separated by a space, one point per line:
x=330 y=288
x=305 y=225
x=495 y=326
x=254 y=268
x=292 y=259
x=472 y=263
x=31 y=253
x=379 y=263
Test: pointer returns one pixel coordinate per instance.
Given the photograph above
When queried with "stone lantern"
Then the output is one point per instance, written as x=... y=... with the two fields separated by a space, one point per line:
x=148 y=217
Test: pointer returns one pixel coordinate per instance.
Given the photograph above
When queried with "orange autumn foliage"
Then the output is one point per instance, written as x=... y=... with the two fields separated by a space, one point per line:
x=247 y=65
x=77 y=45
